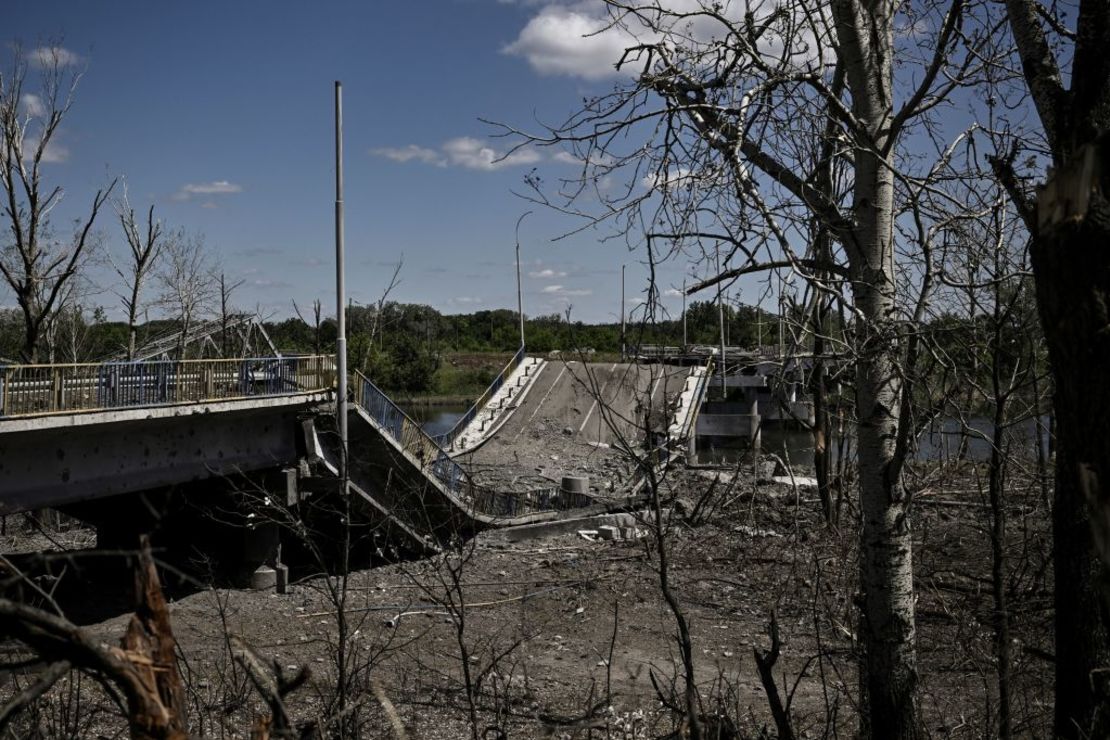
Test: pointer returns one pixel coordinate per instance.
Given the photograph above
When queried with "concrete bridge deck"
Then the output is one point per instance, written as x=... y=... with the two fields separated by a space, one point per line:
x=66 y=449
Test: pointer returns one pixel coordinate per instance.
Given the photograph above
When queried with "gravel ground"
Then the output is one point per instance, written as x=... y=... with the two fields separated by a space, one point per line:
x=557 y=627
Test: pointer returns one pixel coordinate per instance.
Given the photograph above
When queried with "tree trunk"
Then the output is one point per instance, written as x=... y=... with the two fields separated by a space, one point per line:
x=1073 y=294
x=889 y=674
x=998 y=559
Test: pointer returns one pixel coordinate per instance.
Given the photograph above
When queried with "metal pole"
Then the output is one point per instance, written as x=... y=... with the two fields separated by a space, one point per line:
x=519 y=298
x=340 y=286
x=622 y=315
x=721 y=321
x=684 y=342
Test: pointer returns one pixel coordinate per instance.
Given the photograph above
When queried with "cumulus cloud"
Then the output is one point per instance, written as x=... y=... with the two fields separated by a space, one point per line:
x=216 y=187
x=466 y=151
x=581 y=38
x=465 y=300
x=48 y=56
x=672 y=293
x=410 y=153
x=546 y=273
x=462 y=151
x=571 y=41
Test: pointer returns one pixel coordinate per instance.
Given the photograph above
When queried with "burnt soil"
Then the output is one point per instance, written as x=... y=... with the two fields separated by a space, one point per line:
x=569 y=635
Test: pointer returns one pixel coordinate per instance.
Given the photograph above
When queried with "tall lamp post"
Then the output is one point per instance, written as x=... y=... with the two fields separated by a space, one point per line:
x=340 y=287
x=519 y=294
x=622 y=316
x=685 y=344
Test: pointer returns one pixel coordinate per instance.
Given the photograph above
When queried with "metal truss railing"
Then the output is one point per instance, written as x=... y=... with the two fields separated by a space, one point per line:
x=28 y=390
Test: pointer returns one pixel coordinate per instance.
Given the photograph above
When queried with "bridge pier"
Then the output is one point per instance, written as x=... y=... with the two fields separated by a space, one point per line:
x=210 y=530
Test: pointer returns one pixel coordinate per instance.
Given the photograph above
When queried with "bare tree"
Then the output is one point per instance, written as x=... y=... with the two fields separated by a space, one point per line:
x=734 y=105
x=317 y=322
x=226 y=311
x=36 y=262
x=145 y=245
x=186 y=282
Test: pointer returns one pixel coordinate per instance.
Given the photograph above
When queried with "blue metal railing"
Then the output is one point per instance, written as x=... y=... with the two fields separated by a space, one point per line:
x=52 y=389
x=447 y=439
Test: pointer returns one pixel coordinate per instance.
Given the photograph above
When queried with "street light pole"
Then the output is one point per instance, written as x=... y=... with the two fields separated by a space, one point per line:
x=340 y=286
x=519 y=294
x=622 y=315
x=684 y=342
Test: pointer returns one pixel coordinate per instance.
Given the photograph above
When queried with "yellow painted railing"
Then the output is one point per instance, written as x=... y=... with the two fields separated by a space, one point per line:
x=27 y=390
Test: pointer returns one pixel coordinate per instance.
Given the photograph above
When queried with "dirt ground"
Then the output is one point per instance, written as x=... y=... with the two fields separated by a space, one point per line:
x=569 y=636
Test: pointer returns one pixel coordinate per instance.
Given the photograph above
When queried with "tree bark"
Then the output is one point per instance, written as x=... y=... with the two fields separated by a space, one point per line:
x=1073 y=295
x=888 y=663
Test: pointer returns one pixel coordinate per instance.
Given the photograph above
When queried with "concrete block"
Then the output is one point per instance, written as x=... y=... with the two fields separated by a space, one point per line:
x=609 y=532
x=263 y=578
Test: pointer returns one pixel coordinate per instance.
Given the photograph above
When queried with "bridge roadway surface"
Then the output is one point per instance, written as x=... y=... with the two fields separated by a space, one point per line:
x=573 y=421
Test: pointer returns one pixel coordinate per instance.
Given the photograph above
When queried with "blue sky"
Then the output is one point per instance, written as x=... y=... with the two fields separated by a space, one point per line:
x=220 y=113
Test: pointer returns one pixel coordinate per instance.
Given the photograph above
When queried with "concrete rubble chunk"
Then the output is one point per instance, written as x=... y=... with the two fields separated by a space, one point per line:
x=609 y=532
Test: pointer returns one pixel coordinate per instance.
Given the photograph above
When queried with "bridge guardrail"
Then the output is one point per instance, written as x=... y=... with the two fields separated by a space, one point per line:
x=435 y=462
x=31 y=390
x=448 y=438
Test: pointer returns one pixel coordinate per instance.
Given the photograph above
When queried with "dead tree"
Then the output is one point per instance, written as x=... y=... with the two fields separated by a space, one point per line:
x=35 y=262
x=143 y=668
x=226 y=290
x=187 y=283
x=733 y=104
x=145 y=245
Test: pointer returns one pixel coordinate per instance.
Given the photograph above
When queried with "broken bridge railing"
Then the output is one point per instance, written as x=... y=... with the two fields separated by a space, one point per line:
x=447 y=439
x=426 y=451
x=31 y=390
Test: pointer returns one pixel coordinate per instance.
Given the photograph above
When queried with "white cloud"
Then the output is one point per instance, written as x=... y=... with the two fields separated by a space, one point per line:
x=462 y=151
x=32 y=105
x=672 y=293
x=216 y=187
x=53 y=154
x=571 y=41
x=546 y=273
x=559 y=290
x=465 y=300
x=581 y=38
x=672 y=178
x=466 y=151
x=411 y=152
x=47 y=56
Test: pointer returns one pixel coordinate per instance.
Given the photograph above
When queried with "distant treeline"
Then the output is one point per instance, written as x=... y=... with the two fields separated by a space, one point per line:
x=402 y=345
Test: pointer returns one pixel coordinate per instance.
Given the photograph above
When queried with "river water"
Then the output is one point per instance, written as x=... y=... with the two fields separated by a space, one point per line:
x=436 y=419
